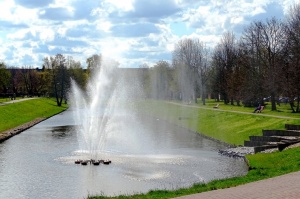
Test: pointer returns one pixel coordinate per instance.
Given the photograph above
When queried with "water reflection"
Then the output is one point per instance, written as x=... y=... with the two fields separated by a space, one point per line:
x=60 y=132
x=39 y=163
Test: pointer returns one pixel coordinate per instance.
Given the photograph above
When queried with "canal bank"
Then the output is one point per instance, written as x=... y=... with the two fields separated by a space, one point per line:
x=15 y=131
x=19 y=115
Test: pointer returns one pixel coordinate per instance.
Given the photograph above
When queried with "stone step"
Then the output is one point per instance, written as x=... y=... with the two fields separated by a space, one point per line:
x=280 y=133
x=266 y=138
x=258 y=143
x=264 y=147
x=292 y=127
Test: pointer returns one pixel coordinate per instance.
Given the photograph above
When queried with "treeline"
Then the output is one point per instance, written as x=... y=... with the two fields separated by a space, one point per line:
x=263 y=64
x=53 y=80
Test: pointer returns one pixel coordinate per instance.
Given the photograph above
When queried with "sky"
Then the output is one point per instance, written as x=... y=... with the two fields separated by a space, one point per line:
x=132 y=32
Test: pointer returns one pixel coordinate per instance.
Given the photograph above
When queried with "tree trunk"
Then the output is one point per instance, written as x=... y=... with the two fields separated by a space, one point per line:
x=273 y=102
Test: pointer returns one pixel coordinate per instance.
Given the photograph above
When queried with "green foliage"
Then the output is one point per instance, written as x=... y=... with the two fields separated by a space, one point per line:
x=4 y=77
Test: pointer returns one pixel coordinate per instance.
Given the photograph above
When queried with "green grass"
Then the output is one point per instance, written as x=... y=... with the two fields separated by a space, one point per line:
x=282 y=110
x=263 y=166
x=15 y=114
x=227 y=125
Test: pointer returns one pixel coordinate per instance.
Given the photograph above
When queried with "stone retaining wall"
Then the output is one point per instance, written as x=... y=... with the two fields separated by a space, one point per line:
x=274 y=138
x=14 y=131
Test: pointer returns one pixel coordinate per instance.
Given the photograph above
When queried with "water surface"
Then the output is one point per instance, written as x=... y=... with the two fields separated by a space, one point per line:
x=39 y=163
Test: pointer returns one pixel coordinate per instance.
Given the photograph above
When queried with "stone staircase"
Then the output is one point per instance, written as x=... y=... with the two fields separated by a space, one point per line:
x=274 y=138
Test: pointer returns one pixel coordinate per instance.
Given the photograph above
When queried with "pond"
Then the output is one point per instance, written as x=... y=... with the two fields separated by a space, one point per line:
x=39 y=162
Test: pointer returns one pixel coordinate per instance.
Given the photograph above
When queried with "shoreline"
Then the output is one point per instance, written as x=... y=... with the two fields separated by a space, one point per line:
x=5 y=135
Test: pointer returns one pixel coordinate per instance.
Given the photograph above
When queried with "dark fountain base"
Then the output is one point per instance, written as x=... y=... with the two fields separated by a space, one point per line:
x=91 y=161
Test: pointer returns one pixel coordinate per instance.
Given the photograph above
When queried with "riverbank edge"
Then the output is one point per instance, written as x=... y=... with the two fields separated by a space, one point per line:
x=5 y=135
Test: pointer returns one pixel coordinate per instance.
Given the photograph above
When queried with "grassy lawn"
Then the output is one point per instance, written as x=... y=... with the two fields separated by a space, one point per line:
x=15 y=114
x=230 y=124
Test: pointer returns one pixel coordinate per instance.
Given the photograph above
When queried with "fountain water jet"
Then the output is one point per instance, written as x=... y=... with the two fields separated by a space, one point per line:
x=103 y=110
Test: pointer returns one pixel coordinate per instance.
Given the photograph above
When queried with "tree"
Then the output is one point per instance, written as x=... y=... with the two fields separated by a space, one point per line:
x=94 y=63
x=264 y=44
x=77 y=73
x=4 y=77
x=190 y=60
x=30 y=80
x=291 y=75
x=225 y=60
x=270 y=54
x=161 y=81
x=60 y=77
x=253 y=89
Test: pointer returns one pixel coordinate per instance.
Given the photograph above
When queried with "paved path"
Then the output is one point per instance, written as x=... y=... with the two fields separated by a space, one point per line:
x=15 y=101
x=241 y=112
x=285 y=186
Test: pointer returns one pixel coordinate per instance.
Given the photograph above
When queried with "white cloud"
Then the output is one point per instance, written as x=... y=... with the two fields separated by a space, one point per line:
x=18 y=35
x=46 y=35
x=125 y=5
x=6 y=14
x=132 y=31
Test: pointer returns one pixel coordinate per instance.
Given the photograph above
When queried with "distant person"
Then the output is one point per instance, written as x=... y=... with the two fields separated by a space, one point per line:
x=257 y=108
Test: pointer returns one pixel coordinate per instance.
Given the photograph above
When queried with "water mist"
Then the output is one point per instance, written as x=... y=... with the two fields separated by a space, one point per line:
x=104 y=114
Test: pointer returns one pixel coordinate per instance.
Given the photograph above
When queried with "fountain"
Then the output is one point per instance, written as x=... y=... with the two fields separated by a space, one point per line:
x=102 y=112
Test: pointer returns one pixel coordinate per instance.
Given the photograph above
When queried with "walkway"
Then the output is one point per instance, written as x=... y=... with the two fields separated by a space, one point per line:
x=285 y=186
x=241 y=112
x=15 y=101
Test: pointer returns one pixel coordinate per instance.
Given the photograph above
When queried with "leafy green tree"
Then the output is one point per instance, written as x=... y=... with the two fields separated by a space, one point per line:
x=77 y=73
x=4 y=77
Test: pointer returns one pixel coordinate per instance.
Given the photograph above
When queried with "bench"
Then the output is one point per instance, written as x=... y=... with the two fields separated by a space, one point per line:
x=216 y=106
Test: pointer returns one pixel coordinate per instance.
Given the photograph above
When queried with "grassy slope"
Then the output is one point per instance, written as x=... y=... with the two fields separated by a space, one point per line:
x=230 y=127
x=12 y=115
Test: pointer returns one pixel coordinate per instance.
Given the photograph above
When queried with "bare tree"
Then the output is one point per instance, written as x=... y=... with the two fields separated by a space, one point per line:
x=270 y=54
x=224 y=59
x=291 y=73
x=190 y=57
x=264 y=44
x=249 y=54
